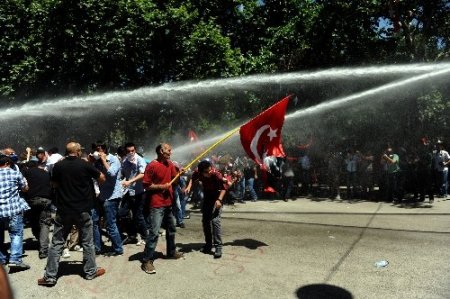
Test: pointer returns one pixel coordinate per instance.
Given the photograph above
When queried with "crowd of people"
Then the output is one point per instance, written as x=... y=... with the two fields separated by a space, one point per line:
x=88 y=196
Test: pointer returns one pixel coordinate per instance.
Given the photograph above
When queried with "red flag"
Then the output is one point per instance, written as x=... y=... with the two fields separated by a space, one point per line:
x=261 y=136
x=192 y=136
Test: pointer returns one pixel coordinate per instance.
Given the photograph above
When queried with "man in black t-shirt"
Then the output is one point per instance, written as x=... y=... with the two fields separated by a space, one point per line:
x=73 y=181
x=39 y=200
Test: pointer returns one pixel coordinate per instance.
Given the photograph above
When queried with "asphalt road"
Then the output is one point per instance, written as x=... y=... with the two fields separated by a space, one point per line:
x=308 y=248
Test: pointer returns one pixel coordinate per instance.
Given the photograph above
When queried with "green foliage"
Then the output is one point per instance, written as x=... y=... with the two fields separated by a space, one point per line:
x=56 y=48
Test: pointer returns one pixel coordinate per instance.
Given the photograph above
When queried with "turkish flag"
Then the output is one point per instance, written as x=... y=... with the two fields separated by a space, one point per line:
x=261 y=136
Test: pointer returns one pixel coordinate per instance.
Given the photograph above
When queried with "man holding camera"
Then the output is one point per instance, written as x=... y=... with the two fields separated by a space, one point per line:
x=391 y=161
x=442 y=159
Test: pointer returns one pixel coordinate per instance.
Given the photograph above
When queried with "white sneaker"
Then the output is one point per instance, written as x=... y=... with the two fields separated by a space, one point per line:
x=140 y=243
x=78 y=248
x=65 y=253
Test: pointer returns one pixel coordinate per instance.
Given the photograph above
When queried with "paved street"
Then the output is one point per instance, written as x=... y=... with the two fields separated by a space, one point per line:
x=307 y=248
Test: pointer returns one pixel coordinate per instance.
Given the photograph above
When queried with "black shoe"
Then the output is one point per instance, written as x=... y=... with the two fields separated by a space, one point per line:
x=241 y=201
x=112 y=254
x=206 y=249
x=130 y=240
x=43 y=255
x=218 y=253
x=19 y=266
x=181 y=225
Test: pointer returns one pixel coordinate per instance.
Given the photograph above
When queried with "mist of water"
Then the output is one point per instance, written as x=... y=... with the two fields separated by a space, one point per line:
x=384 y=92
x=82 y=106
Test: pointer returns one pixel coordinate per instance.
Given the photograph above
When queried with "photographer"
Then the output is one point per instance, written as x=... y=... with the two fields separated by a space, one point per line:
x=391 y=161
x=442 y=159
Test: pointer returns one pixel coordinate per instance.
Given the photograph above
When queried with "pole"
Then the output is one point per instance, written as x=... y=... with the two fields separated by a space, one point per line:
x=227 y=136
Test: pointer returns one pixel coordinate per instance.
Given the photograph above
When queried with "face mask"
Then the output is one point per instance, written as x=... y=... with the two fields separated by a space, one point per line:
x=96 y=155
x=14 y=158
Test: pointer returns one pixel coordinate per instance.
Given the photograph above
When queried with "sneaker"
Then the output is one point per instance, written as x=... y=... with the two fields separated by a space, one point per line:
x=187 y=217
x=46 y=282
x=43 y=255
x=99 y=272
x=78 y=248
x=176 y=256
x=218 y=253
x=181 y=225
x=148 y=267
x=65 y=253
x=140 y=243
x=18 y=266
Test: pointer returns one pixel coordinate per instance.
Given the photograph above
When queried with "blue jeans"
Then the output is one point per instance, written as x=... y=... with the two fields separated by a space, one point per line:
x=443 y=175
x=179 y=204
x=96 y=230
x=14 y=225
x=156 y=218
x=250 y=182
x=63 y=225
x=111 y=207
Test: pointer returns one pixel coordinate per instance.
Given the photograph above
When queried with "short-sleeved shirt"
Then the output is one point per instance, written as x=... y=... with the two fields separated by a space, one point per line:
x=394 y=167
x=130 y=170
x=75 y=187
x=11 y=182
x=211 y=185
x=38 y=183
x=157 y=172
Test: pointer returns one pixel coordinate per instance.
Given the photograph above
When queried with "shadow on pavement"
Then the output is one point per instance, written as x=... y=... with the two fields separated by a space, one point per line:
x=323 y=291
x=249 y=243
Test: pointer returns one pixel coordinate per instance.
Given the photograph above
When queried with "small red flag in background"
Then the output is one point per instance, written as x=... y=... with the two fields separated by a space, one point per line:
x=192 y=136
x=261 y=136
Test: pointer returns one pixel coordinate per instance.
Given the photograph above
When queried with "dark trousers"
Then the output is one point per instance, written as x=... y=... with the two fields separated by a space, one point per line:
x=63 y=225
x=41 y=221
x=212 y=226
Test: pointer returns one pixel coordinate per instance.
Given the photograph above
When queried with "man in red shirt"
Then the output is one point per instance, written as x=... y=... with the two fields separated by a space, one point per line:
x=214 y=188
x=157 y=177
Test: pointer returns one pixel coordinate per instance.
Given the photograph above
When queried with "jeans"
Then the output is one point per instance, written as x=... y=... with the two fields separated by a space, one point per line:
x=111 y=208
x=443 y=183
x=211 y=218
x=14 y=225
x=136 y=204
x=41 y=221
x=179 y=205
x=63 y=225
x=250 y=182
x=156 y=218
x=98 y=244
